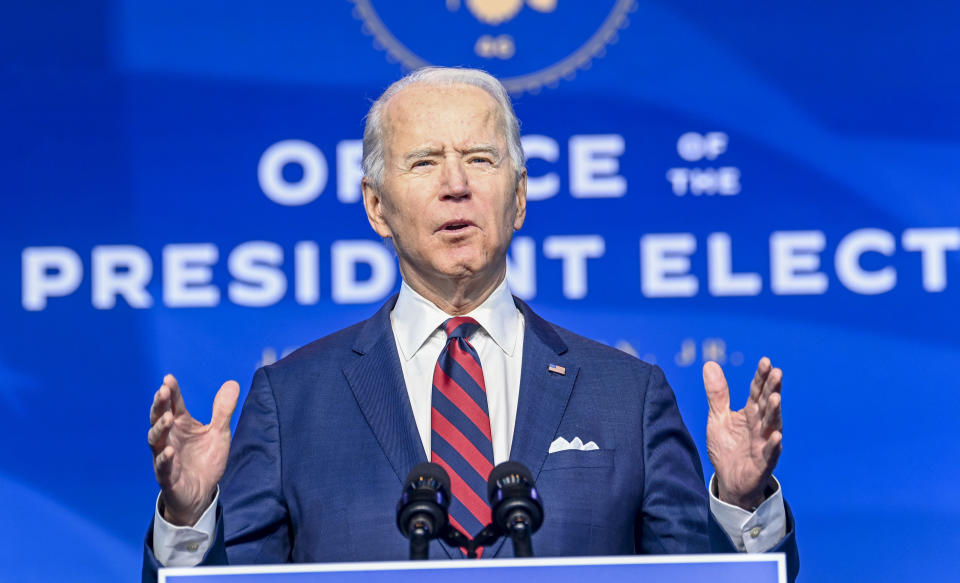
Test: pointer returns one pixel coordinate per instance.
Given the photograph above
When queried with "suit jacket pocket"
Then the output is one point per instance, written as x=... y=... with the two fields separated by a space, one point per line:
x=574 y=458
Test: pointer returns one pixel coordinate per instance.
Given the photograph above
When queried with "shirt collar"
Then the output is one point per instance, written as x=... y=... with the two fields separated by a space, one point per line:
x=415 y=318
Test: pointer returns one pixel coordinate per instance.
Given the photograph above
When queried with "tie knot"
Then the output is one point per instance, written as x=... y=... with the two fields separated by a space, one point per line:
x=460 y=327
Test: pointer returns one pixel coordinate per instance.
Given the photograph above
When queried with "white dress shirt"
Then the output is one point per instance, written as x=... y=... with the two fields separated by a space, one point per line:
x=416 y=324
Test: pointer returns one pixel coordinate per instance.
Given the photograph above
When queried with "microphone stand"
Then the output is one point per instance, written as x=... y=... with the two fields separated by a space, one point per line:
x=486 y=537
x=519 y=532
x=456 y=539
x=420 y=541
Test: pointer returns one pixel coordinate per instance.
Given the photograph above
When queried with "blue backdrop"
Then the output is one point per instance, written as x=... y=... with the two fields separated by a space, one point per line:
x=711 y=181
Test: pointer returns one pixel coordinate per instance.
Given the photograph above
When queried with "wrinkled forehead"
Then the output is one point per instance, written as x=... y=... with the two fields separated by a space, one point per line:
x=422 y=113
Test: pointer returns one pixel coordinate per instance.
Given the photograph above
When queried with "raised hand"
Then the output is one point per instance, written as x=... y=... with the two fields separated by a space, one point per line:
x=189 y=458
x=744 y=445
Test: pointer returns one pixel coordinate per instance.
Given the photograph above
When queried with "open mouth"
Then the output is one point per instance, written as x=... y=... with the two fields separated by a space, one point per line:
x=454 y=226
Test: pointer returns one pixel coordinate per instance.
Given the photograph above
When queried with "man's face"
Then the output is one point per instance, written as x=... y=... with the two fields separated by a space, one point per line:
x=449 y=199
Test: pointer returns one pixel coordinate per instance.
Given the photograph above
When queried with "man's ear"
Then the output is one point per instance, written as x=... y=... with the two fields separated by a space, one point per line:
x=521 y=200
x=373 y=204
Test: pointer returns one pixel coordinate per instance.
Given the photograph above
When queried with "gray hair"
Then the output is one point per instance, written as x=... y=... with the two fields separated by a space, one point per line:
x=373 y=156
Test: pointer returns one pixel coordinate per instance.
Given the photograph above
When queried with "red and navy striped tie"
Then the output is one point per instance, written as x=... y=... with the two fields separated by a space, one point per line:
x=460 y=427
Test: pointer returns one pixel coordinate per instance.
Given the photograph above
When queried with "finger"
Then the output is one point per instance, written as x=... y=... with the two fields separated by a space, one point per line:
x=772 y=449
x=163 y=465
x=756 y=385
x=224 y=404
x=161 y=403
x=157 y=435
x=718 y=393
x=772 y=418
x=176 y=397
x=770 y=386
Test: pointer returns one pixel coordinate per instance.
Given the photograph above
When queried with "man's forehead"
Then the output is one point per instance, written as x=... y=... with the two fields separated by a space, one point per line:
x=425 y=93
x=419 y=106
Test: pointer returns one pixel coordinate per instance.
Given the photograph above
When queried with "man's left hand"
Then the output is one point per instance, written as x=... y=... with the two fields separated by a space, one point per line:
x=744 y=445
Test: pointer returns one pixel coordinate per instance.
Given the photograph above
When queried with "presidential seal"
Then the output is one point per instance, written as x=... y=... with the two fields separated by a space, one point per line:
x=527 y=44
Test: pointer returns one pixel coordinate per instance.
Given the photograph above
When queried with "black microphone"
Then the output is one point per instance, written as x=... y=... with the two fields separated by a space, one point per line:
x=515 y=505
x=422 y=509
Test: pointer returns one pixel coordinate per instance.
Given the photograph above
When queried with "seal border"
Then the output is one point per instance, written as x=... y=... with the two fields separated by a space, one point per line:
x=531 y=82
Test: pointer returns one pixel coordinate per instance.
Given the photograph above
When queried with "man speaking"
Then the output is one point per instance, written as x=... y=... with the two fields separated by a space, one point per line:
x=456 y=371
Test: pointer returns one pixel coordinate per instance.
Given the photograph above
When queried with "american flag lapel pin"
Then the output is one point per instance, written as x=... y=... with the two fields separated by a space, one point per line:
x=556 y=368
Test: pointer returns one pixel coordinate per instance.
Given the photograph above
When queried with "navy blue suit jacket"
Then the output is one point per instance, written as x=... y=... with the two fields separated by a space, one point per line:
x=327 y=436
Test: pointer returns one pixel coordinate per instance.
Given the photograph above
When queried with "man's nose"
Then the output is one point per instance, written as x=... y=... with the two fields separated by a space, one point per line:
x=454 y=182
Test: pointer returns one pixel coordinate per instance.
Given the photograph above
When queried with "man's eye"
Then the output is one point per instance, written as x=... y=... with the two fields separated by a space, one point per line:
x=421 y=163
x=481 y=161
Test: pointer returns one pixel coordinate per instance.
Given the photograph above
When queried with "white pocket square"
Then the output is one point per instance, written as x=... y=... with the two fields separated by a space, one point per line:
x=561 y=444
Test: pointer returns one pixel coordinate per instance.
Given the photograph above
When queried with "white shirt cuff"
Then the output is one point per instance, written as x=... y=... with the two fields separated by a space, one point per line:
x=751 y=532
x=183 y=546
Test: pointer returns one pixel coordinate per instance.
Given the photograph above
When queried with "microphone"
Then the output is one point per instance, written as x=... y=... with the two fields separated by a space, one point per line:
x=422 y=509
x=515 y=505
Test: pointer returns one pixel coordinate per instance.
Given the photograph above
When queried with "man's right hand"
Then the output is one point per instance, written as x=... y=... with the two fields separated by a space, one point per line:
x=189 y=458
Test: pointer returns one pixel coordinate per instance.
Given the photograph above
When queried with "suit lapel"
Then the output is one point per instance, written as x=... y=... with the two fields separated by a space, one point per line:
x=377 y=383
x=543 y=394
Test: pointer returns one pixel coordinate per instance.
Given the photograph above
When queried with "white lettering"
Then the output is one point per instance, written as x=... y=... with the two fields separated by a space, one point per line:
x=187 y=275
x=847 y=260
x=123 y=270
x=544 y=148
x=258 y=279
x=794 y=262
x=728 y=180
x=305 y=190
x=932 y=245
x=665 y=265
x=574 y=251
x=724 y=181
x=48 y=272
x=306 y=257
x=595 y=166
x=693 y=146
x=522 y=268
x=720 y=277
x=345 y=255
x=349 y=170
x=679 y=178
